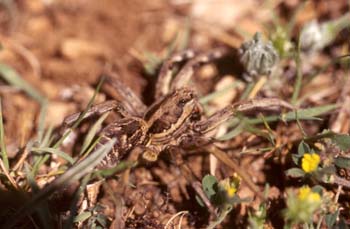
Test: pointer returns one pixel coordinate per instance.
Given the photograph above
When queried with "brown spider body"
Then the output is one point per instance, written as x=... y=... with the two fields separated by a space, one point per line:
x=174 y=121
x=163 y=123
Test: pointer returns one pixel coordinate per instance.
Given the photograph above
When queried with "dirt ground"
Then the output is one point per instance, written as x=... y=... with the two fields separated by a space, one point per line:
x=62 y=47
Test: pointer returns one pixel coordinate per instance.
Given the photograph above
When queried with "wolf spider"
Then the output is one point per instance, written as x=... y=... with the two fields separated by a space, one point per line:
x=174 y=122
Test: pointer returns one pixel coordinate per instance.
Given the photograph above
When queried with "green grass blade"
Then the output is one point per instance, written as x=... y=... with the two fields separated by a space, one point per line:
x=122 y=166
x=13 y=78
x=41 y=123
x=247 y=90
x=42 y=160
x=234 y=132
x=56 y=152
x=92 y=133
x=298 y=82
x=302 y=114
x=47 y=138
x=2 y=141
x=73 y=174
x=81 y=117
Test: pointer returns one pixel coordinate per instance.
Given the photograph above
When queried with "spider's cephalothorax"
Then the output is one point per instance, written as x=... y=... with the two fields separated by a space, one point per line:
x=162 y=123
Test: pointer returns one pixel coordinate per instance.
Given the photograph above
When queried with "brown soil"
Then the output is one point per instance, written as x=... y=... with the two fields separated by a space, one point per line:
x=61 y=47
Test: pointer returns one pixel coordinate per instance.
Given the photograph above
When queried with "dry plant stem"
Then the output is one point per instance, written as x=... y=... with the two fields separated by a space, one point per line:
x=336 y=198
x=12 y=181
x=262 y=80
x=182 y=213
x=222 y=156
x=21 y=160
x=199 y=190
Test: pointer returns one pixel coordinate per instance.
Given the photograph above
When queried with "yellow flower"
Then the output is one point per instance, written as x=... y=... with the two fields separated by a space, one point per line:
x=310 y=162
x=231 y=191
x=228 y=188
x=303 y=206
x=305 y=194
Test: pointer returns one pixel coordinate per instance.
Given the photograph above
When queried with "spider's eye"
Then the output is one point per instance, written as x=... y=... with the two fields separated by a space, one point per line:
x=182 y=102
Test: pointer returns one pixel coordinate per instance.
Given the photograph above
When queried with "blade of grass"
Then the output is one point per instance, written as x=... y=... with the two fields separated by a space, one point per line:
x=92 y=133
x=41 y=123
x=81 y=117
x=235 y=132
x=73 y=174
x=40 y=161
x=54 y=151
x=2 y=141
x=302 y=114
x=92 y=146
x=122 y=166
x=247 y=90
x=47 y=138
x=13 y=78
x=299 y=79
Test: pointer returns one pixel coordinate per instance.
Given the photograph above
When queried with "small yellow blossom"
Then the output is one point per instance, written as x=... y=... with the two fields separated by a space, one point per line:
x=303 y=206
x=231 y=191
x=228 y=188
x=305 y=194
x=310 y=162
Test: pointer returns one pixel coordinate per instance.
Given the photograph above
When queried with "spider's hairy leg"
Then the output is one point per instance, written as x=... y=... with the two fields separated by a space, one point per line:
x=95 y=110
x=187 y=172
x=243 y=107
x=167 y=70
x=119 y=91
x=184 y=76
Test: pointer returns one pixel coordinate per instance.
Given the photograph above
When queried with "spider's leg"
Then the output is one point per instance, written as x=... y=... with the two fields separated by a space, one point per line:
x=95 y=110
x=186 y=171
x=184 y=76
x=167 y=70
x=243 y=107
x=124 y=94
